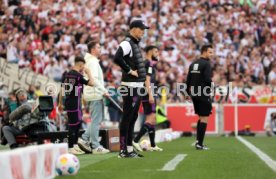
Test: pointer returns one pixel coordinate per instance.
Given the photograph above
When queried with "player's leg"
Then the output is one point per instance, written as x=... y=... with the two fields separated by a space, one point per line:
x=145 y=127
x=84 y=140
x=152 y=122
x=73 y=128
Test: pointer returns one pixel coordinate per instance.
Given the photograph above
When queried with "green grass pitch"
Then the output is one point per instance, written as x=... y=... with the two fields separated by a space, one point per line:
x=228 y=158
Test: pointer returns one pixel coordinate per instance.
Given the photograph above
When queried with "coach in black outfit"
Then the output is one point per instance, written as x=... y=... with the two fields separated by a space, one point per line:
x=129 y=58
x=199 y=88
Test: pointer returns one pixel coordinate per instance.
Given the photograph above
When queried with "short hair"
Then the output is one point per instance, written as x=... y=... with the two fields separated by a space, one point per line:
x=150 y=47
x=91 y=44
x=204 y=48
x=20 y=91
x=79 y=59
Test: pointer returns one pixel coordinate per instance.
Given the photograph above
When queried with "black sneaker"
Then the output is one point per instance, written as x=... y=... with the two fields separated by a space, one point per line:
x=201 y=147
x=123 y=154
x=134 y=154
x=3 y=141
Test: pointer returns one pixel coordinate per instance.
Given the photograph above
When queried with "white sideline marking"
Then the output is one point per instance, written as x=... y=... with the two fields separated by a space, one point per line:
x=171 y=165
x=271 y=163
x=193 y=144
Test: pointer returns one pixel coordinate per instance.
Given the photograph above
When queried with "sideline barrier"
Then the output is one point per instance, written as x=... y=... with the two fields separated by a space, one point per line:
x=255 y=115
x=182 y=117
x=33 y=162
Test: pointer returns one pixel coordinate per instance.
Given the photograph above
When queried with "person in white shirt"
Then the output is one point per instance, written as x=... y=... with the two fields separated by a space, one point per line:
x=94 y=96
x=12 y=54
x=272 y=75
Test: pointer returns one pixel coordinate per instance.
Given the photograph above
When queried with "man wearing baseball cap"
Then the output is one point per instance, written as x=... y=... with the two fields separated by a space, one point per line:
x=130 y=59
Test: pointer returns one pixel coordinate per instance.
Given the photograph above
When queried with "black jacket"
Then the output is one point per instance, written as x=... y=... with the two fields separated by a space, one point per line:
x=199 y=77
x=134 y=62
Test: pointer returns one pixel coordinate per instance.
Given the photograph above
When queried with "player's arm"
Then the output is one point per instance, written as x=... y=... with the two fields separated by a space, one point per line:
x=147 y=82
x=60 y=105
x=148 y=87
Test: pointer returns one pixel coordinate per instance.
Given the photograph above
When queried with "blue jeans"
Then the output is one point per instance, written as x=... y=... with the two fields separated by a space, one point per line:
x=96 y=109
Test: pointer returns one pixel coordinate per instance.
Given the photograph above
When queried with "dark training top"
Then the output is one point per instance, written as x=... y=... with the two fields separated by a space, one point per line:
x=151 y=71
x=129 y=57
x=199 y=77
x=73 y=95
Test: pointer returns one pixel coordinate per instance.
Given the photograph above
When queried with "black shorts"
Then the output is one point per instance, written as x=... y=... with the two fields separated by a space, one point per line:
x=202 y=106
x=74 y=118
x=147 y=106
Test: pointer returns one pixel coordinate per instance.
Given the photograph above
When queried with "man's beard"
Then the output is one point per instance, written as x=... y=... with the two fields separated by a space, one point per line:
x=154 y=58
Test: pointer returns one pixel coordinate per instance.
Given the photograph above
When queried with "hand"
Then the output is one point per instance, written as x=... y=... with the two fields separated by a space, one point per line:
x=151 y=99
x=86 y=70
x=187 y=99
x=91 y=82
x=60 y=108
x=134 y=73
x=106 y=95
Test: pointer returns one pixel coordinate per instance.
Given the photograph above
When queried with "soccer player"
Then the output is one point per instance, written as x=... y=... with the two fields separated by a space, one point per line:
x=199 y=88
x=148 y=101
x=73 y=88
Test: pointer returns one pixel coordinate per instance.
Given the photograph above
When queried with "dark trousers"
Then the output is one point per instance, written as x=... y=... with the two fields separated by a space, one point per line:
x=74 y=123
x=131 y=104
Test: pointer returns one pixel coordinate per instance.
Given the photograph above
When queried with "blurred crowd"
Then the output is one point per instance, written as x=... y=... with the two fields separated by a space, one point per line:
x=46 y=35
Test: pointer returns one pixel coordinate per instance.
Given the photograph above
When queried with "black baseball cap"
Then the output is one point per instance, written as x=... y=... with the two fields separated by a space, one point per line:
x=138 y=24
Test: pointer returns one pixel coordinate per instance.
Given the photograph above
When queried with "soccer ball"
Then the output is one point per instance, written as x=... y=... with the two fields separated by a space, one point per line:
x=174 y=135
x=67 y=164
x=168 y=137
x=145 y=144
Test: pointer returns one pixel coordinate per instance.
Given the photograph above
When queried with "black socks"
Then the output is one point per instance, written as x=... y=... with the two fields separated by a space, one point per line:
x=197 y=129
x=152 y=136
x=144 y=129
x=201 y=129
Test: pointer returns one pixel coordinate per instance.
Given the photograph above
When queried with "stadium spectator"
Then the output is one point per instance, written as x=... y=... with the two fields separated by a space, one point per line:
x=271 y=126
x=12 y=102
x=244 y=34
x=272 y=75
x=12 y=55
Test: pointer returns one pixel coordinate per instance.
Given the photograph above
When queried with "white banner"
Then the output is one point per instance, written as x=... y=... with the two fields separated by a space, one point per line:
x=34 y=162
x=14 y=77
